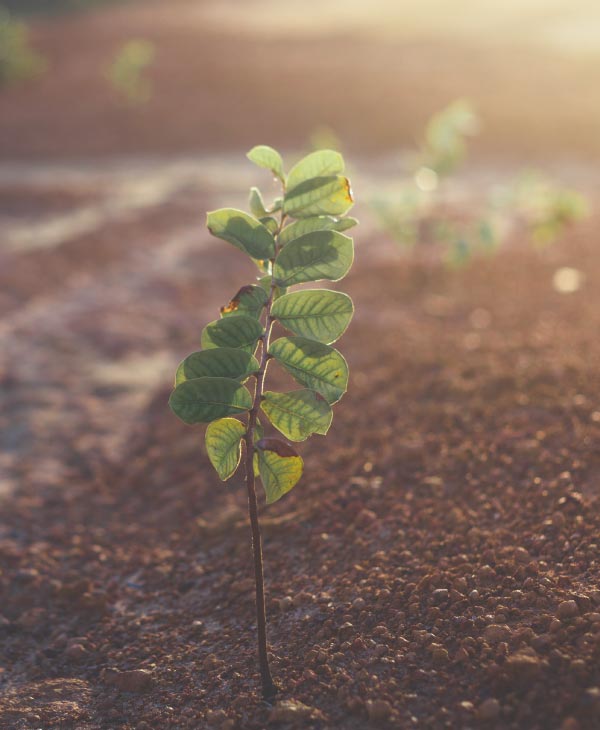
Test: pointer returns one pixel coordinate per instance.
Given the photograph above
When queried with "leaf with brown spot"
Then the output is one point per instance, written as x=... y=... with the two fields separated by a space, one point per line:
x=279 y=466
x=249 y=300
x=329 y=195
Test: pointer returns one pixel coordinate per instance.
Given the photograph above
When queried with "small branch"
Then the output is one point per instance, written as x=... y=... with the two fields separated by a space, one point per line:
x=269 y=689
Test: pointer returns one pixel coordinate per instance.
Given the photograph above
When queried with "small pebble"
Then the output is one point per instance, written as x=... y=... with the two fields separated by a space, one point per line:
x=439 y=655
x=440 y=595
x=76 y=652
x=489 y=709
x=567 y=609
x=521 y=555
x=345 y=630
x=378 y=710
x=494 y=633
x=133 y=680
x=291 y=711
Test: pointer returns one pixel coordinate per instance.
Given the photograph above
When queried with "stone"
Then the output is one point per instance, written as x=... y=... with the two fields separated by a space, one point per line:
x=293 y=711
x=346 y=630
x=522 y=667
x=439 y=655
x=132 y=680
x=567 y=609
x=521 y=555
x=495 y=633
x=440 y=595
x=378 y=710
x=76 y=652
x=489 y=709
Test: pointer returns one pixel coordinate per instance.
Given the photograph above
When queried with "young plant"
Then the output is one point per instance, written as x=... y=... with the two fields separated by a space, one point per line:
x=128 y=71
x=423 y=210
x=296 y=240
x=18 y=61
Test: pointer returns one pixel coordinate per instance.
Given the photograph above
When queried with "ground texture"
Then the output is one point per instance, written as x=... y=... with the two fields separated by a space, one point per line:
x=437 y=566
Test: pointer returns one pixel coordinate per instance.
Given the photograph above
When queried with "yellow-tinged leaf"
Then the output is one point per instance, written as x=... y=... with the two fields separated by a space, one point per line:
x=280 y=467
x=330 y=195
x=297 y=414
x=224 y=445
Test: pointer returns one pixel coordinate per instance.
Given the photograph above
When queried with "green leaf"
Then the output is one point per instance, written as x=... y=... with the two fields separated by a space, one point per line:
x=240 y=332
x=259 y=431
x=297 y=414
x=314 y=256
x=318 y=314
x=220 y=362
x=265 y=283
x=203 y=400
x=249 y=301
x=270 y=224
x=322 y=163
x=314 y=365
x=224 y=445
x=316 y=223
x=279 y=466
x=344 y=223
x=268 y=158
x=255 y=467
x=243 y=231
x=318 y=196
x=257 y=206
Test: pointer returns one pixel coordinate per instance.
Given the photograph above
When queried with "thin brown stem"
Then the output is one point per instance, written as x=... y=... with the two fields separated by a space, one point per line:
x=269 y=689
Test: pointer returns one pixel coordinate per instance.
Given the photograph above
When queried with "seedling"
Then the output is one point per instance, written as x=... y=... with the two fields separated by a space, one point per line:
x=297 y=239
x=421 y=210
x=128 y=71
x=18 y=61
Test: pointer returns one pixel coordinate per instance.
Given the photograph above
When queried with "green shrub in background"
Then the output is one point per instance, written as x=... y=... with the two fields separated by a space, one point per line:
x=127 y=72
x=444 y=145
x=52 y=7
x=18 y=61
x=420 y=210
x=540 y=206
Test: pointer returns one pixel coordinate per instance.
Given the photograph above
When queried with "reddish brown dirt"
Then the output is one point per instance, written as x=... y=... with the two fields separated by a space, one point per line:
x=439 y=559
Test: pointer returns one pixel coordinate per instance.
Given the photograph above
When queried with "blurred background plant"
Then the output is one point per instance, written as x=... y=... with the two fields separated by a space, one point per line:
x=425 y=208
x=540 y=206
x=18 y=60
x=51 y=7
x=127 y=73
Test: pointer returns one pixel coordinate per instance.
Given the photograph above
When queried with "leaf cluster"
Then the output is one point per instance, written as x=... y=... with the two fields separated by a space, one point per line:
x=297 y=239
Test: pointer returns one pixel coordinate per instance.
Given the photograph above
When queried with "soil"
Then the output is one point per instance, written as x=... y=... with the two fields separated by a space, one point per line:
x=438 y=565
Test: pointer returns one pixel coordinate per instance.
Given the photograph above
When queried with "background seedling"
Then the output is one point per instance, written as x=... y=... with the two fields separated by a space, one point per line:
x=421 y=209
x=127 y=73
x=18 y=61
x=296 y=240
